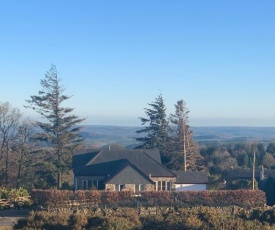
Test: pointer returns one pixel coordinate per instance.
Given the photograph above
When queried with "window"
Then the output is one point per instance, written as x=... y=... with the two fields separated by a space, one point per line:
x=136 y=187
x=94 y=184
x=85 y=184
x=168 y=183
x=140 y=187
x=159 y=185
x=100 y=185
x=163 y=185
x=119 y=187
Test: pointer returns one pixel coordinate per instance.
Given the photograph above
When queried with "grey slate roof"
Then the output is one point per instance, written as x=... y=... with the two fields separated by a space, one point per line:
x=191 y=177
x=126 y=172
x=103 y=163
x=79 y=160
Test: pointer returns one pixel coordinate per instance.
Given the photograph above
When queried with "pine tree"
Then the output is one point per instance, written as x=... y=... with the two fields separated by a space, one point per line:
x=183 y=146
x=60 y=131
x=157 y=129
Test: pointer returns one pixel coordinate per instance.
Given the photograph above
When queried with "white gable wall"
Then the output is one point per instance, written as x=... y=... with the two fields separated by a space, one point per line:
x=190 y=187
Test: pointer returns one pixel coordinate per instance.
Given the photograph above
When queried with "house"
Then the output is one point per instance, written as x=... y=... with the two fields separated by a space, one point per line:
x=261 y=175
x=132 y=170
x=196 y=181
x=247 y=174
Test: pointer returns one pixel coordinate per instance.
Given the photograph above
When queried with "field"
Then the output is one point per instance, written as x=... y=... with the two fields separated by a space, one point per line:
x=98 y=136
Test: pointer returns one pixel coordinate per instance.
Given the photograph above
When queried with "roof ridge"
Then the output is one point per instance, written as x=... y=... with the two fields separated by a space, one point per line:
x=120 y=164
x=134 y=166
x=89 y=162
x=159 y=163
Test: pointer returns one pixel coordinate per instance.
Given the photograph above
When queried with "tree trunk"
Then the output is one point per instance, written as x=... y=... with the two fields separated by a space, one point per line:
x=19 y=170
x=184 y=148
x=59 y=180
x=6 y=167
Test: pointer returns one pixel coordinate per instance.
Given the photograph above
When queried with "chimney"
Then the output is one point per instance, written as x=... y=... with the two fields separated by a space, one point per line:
x=262 y=173
x=109 y=147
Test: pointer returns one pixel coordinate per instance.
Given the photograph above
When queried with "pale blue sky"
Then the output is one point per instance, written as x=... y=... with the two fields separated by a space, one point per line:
x=114 y=57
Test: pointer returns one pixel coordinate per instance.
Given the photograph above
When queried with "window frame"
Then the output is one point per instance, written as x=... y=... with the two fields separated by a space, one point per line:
x=163 y=185
x=86 y=183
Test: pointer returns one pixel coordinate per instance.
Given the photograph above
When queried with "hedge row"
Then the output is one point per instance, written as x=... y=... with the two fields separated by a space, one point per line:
x=172 y=219
x=219 y=198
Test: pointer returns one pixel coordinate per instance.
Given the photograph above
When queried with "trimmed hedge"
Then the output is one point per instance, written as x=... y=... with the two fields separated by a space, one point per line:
x=242 y=198
x=219 y=198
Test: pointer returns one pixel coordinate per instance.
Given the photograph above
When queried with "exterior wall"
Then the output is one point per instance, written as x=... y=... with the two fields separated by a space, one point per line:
x=109 y=187
x=168 y=179
x=172 y=179
x=88 y=178
x=130 y=187
x=190 y=187
x=130 y=179
x=150 y=187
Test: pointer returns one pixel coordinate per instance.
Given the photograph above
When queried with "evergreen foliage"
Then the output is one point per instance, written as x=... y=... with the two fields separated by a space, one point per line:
x=60 y=132
x=184 y=149
x=157 y=129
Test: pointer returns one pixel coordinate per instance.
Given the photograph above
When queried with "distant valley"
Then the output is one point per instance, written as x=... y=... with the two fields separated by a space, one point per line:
x=101 y=135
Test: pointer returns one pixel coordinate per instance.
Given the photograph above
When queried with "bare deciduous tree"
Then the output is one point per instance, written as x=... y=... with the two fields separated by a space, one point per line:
x=9 y=121
x=25 y=147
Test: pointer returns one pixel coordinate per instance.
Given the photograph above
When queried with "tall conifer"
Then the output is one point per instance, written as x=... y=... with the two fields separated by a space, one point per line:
x=156 y=127
x=183 y=145
x=60 y=131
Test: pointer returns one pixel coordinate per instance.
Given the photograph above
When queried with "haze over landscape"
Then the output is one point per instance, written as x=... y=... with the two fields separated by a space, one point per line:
x=114 y=57
x=100 y=135
x=137 y=114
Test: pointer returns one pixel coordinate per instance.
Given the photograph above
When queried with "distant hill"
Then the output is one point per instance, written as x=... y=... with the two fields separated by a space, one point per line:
x=234 y=133
x=101 y=135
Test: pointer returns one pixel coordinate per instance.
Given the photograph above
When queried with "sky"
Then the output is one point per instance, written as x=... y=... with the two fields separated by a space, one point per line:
x=115 y=57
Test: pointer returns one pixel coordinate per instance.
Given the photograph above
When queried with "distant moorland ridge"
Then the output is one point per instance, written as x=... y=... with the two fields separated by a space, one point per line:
x=101 y=135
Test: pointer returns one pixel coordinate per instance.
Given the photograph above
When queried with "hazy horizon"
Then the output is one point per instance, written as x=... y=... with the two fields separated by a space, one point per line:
x=115 y=57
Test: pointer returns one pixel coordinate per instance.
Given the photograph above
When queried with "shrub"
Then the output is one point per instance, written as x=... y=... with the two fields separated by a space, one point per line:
x=77 y=221
x=43 y=220
x=158 y=198
x=97 y=222
x=16 y=193
x=4 y=193
x=66 y=186
x=196 y=218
